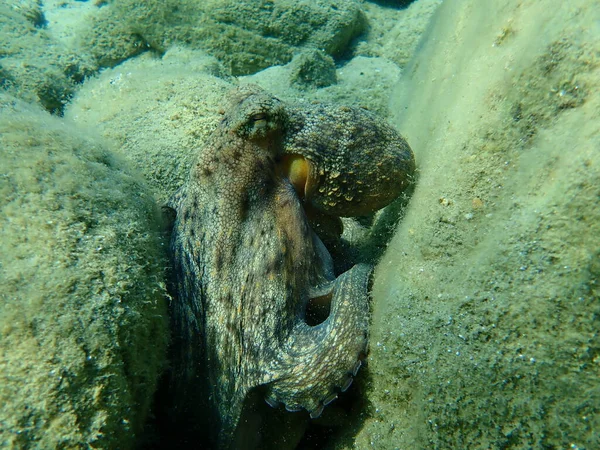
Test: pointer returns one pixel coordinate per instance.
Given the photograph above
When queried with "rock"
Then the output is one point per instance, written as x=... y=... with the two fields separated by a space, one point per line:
x=313 y=69
x=245 y=36
x=83 y=329
x=159 y=127
x=486 y=303
x=51 y=72
x=395 y=34
x=363 y=81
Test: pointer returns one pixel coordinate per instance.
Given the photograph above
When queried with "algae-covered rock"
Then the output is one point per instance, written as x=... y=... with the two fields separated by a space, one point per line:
x=363 y=81
x=312 y=69
x=246 y=36
x=82 y=313
x=157 y=112
x=33 y=65
x=486 y=305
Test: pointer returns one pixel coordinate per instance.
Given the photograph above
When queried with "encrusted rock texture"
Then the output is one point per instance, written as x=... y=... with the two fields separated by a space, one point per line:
x=83 y=329
x=486 y=303
x=246 y=36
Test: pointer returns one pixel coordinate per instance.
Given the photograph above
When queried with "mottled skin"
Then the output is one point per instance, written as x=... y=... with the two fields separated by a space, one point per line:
x=247 y=263
x=359 y=163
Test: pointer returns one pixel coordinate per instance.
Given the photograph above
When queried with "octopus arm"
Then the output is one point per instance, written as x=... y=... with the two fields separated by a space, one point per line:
x=317 y=362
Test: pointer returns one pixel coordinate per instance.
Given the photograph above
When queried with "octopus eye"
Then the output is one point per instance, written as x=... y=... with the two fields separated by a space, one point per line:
x=260 y=120
x=297 y=169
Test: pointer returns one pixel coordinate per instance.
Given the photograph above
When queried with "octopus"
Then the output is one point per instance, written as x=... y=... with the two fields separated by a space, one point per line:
x=247 y=261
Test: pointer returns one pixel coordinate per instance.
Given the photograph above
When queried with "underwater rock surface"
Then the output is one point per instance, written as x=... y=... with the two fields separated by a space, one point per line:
x=246 y=36
x=33 y=65
x=486 y=303
x=83 y=328
x=157 y=128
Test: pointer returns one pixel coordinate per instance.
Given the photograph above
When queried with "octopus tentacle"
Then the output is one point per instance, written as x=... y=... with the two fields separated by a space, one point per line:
x=317 y=362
